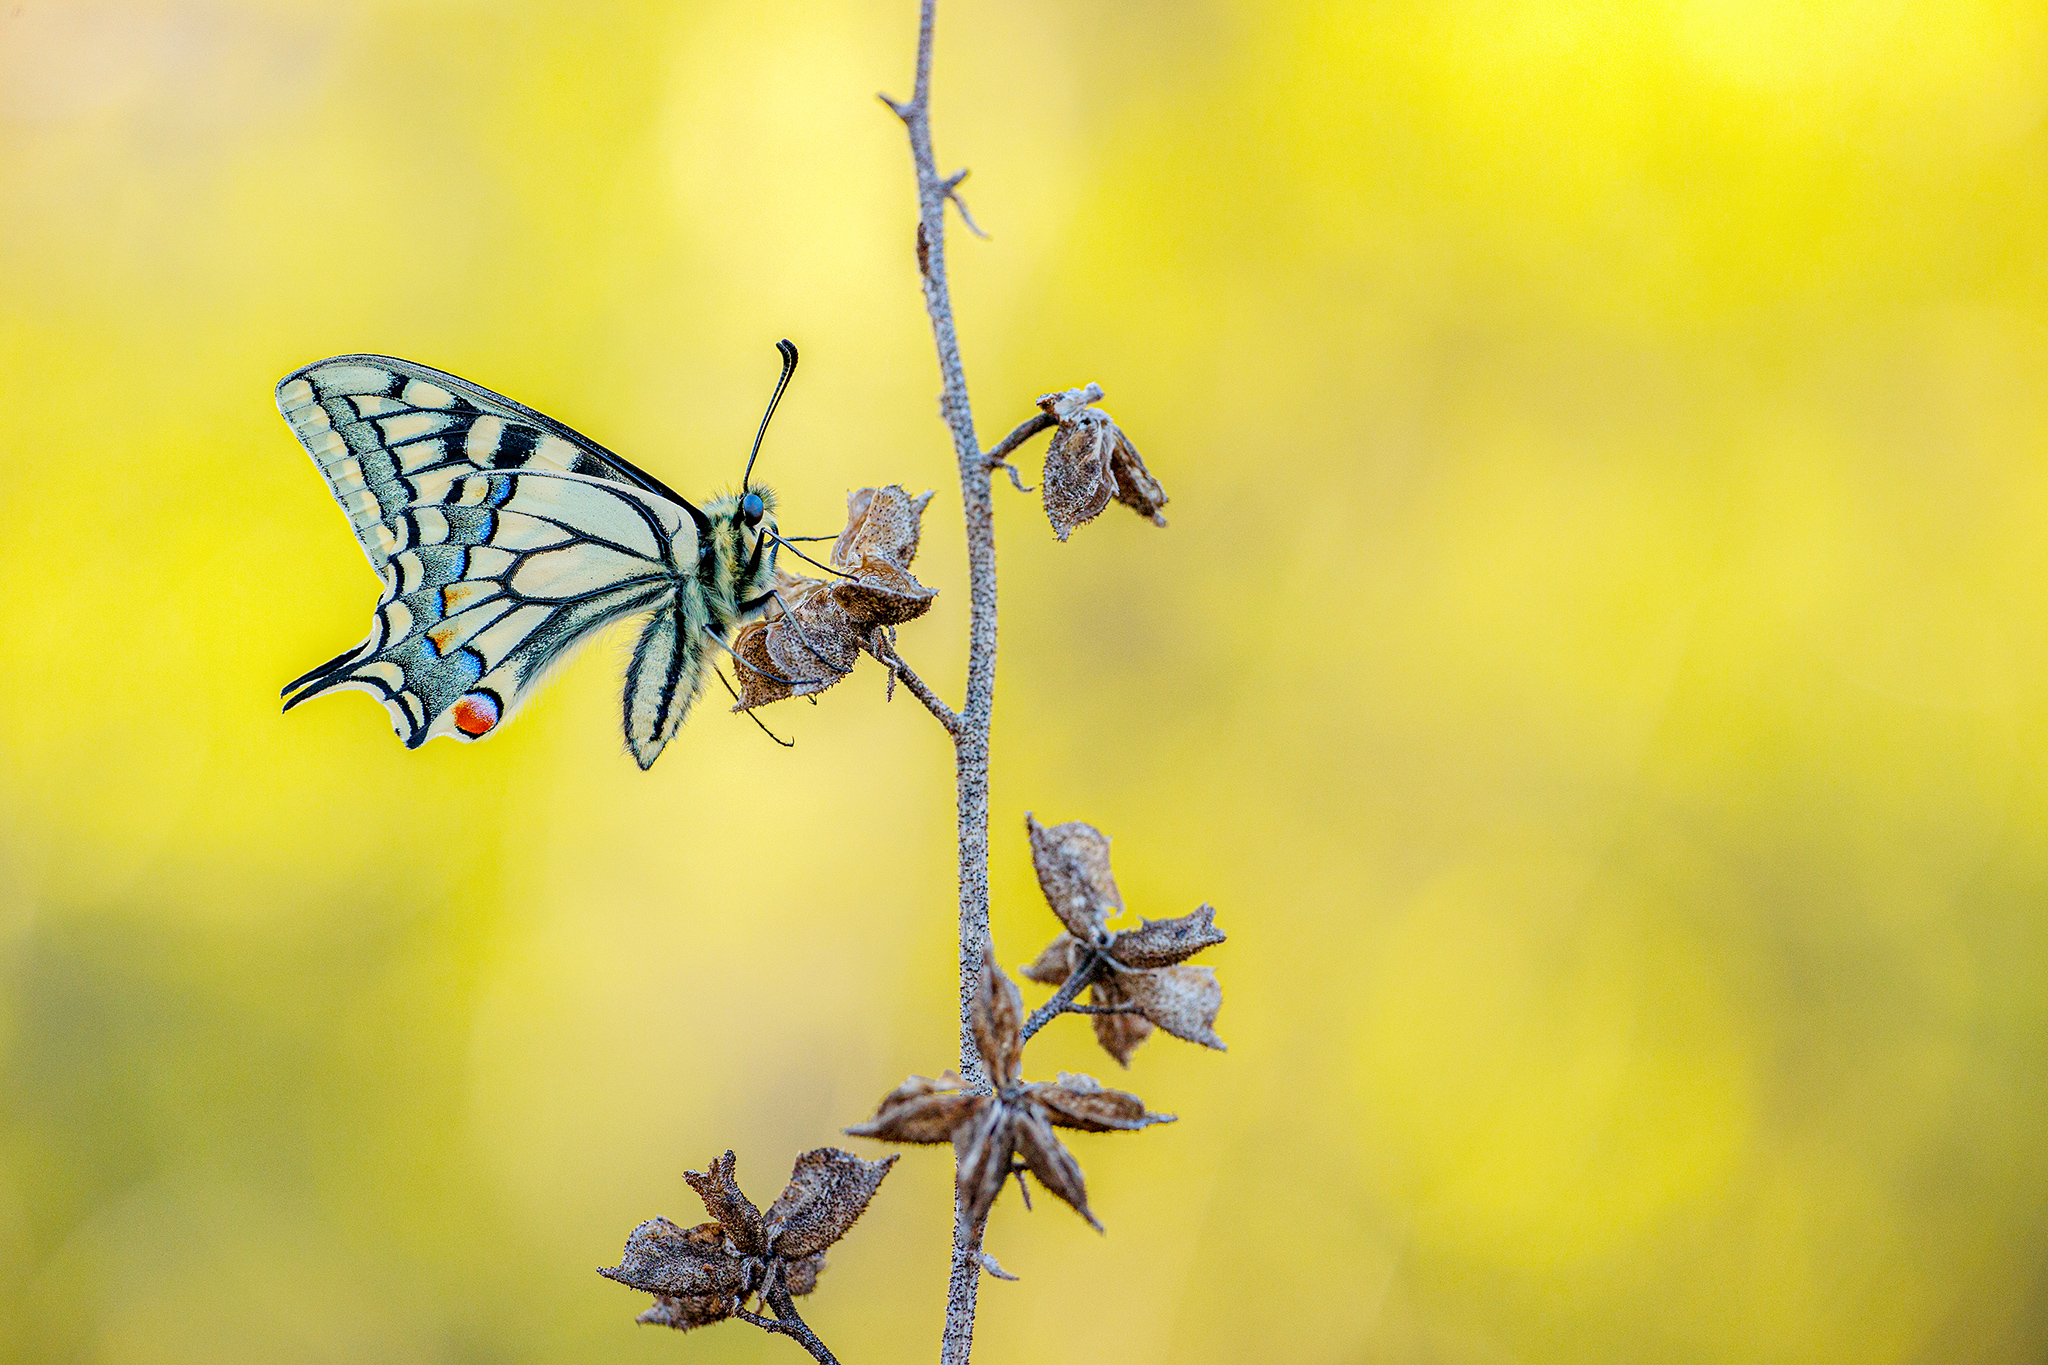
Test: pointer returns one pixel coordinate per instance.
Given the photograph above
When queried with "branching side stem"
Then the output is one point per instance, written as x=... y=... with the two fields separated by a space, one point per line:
x=1026 y=429
x=933 y=702
x=1062 y=1001
x=787 y=1322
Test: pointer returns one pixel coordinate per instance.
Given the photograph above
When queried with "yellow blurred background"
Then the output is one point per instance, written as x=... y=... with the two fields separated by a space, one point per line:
x=1596 y=669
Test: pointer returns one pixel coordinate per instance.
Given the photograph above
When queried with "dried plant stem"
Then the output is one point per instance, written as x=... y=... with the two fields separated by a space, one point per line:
x=971 y=733
x=1062 y=1001
x=1026 y=429
x=932 y=701
x=971 y=740
x=998 y=457
x=787 y=1322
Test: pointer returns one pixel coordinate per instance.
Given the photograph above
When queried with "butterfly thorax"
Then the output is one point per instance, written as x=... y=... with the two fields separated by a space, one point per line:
x=738 y=563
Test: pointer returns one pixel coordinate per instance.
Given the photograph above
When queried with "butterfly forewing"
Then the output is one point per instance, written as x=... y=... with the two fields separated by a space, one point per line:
x=388 y=434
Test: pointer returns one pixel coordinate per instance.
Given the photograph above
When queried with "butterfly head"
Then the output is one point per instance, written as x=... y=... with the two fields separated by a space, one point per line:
x=740 y=556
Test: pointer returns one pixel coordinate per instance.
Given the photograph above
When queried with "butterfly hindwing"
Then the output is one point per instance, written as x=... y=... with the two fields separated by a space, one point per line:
x=492 y=578
x=664 y=677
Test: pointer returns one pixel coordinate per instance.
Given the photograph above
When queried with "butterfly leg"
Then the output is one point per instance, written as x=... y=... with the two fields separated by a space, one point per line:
x=791 y=617
x=772 y=677
x=785 y=743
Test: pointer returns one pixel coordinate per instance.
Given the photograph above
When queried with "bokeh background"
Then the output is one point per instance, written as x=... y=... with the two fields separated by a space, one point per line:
x=1596 y=668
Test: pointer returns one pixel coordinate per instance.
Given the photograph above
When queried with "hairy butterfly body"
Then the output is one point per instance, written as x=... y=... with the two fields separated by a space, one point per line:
x=504 y=540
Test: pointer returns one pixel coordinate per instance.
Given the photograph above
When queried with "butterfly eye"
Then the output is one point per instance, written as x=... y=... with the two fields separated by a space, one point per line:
x=752 y=509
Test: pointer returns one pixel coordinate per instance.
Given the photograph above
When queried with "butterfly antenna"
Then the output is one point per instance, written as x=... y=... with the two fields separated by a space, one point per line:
x=788 y=350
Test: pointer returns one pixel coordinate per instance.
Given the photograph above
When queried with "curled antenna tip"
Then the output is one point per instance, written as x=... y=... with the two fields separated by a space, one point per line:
x=787 y=350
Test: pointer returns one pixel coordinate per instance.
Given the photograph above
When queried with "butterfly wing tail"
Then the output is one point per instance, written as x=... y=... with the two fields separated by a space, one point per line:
x=301 y=684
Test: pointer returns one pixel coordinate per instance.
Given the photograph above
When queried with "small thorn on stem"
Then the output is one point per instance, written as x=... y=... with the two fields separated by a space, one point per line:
x=994 y=1267
x=950 y=187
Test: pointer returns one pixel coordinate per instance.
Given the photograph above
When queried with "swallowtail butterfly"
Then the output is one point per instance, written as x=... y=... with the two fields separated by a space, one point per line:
x=505 y=540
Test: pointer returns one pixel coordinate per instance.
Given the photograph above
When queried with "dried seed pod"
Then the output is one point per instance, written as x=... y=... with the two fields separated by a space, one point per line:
x=703 y=1274
x=733 y=1210
x=1054 y=964
x=921 y=1110
x=1136 y=977
x=1083 y=1102
x=997 y=1018
x=1184 y=1000
x=991 y=1133
x=1089 y=461
x=812 y=635
x=881 y=523
x=828 y=1190
x=1120 y=1028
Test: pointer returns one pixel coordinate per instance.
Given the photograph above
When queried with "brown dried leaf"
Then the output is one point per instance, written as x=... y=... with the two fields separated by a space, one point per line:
x=921 y=1110
x=1083 y=1102
x=795 y=654
x=816 y=638
x=1119 y=1034
x=1076 y=484
x=982 y=1149
x=1072 y=861
x=882 y=594
x=693 y=1265
x=997 y=1018
x=684 y=1313
x=828 y=1190
x=793 y=588
x=1049 y=1160
x=1164 y=942
x=1183 y=1000
x=1053 y=966
x=1135 y=486
x=752 y=668
x=881 y=523
x=843 y=550
x=723 y=1200
x=801 y=1277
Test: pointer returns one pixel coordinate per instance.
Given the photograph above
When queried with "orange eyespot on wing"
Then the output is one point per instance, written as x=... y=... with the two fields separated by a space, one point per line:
x=476 y=713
